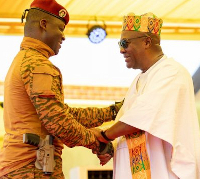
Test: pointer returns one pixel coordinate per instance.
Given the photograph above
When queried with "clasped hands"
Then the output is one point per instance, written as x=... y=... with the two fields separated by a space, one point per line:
x=108 y=152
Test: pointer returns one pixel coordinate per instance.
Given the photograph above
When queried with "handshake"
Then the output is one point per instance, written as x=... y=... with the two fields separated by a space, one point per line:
x=106 y=150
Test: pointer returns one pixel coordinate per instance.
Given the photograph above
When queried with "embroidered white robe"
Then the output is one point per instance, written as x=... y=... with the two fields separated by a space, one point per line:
x=164 y=107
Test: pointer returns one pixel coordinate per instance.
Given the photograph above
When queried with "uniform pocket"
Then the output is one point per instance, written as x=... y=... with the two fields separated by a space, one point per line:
x=43 y=78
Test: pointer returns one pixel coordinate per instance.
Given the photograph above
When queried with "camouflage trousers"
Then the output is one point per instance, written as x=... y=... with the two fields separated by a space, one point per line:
x=31 y=172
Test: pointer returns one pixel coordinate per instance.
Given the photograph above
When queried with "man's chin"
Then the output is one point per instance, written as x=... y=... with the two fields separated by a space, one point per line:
x=56 y=52
x=128 y=66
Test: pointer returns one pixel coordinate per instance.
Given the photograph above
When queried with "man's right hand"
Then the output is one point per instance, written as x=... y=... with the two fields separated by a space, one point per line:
x=97 y=133
x=106 y=149
x=105 y=153
x=104 y=159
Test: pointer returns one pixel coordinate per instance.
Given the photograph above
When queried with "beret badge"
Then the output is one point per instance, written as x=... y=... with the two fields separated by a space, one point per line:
x=62 y=13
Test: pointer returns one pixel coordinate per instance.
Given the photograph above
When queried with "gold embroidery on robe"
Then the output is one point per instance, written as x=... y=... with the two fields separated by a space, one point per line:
x=139 y=160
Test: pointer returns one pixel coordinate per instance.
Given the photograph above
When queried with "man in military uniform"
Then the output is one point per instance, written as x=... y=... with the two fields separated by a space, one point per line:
x=34 y=99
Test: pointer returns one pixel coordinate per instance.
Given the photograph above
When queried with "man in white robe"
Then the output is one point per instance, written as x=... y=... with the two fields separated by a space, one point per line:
x=156 y=130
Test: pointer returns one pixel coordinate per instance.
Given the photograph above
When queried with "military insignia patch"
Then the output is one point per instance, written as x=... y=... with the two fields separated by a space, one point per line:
x=62 y=13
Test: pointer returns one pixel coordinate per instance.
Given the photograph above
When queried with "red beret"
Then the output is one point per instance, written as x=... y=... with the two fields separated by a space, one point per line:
x=51 y=7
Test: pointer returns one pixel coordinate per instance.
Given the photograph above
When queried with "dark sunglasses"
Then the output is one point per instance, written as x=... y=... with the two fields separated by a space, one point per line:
x=125 y=42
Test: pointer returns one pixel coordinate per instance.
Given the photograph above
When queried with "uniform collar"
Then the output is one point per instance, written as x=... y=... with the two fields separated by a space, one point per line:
x=38 y=45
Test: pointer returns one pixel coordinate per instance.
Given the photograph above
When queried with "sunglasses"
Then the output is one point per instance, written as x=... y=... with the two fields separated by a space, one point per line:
x=125 y=42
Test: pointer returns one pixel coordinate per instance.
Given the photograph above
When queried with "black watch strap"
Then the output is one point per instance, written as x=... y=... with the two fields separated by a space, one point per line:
x=105 y=137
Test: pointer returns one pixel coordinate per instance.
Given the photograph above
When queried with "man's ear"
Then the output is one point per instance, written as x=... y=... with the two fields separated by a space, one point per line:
x=43 y=24
x=148 y=42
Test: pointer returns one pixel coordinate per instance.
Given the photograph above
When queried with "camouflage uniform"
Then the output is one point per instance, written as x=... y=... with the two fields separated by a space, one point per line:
x=34 y=103
x=30 y=172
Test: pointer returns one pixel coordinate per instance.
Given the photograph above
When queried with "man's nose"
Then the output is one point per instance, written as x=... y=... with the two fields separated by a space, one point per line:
x=122 y=50
x=63 y=36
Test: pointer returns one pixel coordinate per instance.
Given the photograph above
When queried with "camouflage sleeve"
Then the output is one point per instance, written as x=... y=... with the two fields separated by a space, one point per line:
x=43 y=84
x=92 y=116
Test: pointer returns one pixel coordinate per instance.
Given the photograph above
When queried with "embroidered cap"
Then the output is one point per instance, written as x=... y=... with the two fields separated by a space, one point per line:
x=143 y=23
x=51 y=7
